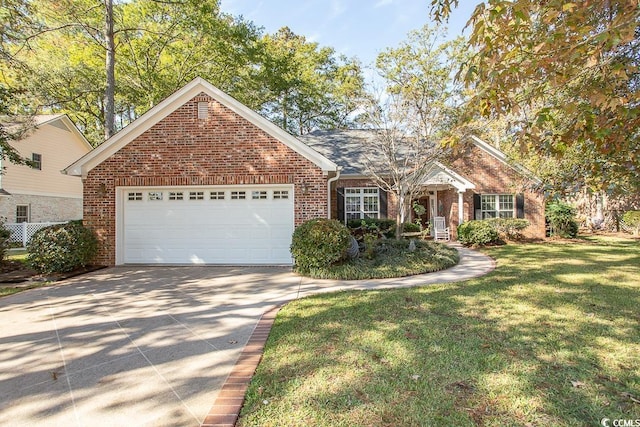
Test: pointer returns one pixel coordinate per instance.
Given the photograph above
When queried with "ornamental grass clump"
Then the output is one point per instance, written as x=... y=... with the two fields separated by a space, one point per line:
x=62 y=248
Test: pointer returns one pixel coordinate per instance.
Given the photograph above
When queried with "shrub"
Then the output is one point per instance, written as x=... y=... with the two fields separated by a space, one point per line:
x=319 y=243
x=562 y=219
x=477 y=233
x=411 y=227
x=632 y=220
x=509 y=228
x=62 y=248
x=382 y=227
x=5 y=244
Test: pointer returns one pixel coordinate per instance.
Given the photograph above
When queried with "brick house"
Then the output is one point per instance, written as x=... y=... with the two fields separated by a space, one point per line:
x=202 y=179
x=477 y=177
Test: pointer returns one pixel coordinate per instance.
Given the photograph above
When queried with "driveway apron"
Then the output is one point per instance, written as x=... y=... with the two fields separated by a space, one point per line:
x=130 y=346
x=146 y=345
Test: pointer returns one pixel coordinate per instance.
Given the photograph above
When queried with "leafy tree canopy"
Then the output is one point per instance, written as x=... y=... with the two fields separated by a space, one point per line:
x=159 y=47
x=566 y=75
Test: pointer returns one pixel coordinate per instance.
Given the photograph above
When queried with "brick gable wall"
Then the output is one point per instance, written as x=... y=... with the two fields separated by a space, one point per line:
x=182 y=150
x=492 y=176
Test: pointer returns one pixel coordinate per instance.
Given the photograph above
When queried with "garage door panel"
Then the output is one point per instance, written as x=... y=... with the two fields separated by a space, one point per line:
x=208 y=231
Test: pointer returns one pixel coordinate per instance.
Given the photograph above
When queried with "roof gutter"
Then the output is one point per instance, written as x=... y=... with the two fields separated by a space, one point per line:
x=329 y=182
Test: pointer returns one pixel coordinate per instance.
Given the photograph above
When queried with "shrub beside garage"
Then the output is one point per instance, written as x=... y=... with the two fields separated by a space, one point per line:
x=62 y=248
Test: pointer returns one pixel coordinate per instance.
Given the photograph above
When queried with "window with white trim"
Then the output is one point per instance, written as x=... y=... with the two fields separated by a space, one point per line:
x=196 y=195
x=134 y=196
x=22 y=213
x=216 y=195
x=496 y=206
x=176 y=195
x=155 y=195
x=280 y=194
x=259 y=195
x=361 y=203
x=36 y=161
x=238 y=195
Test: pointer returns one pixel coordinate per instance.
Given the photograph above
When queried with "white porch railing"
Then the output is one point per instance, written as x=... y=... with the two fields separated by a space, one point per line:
x=23 y=232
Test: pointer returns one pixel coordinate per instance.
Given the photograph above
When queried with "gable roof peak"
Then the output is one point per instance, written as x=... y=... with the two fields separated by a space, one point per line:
x=183 y=95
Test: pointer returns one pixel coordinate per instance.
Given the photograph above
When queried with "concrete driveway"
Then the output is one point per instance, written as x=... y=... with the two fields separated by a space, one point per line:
x=146 y=345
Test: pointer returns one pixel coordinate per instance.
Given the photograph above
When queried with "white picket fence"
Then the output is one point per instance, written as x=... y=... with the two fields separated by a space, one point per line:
x=23 y=232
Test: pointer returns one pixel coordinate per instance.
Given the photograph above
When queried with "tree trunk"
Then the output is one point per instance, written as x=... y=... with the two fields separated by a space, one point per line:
x=400 y=215
x=109 y=95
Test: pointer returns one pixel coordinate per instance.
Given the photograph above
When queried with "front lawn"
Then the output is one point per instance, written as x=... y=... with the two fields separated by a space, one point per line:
x=551 y=337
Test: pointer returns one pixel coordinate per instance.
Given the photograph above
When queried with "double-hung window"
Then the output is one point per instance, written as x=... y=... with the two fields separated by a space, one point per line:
x=361 y=203
x=22 y=213
x=496 y=205
x=36 y=161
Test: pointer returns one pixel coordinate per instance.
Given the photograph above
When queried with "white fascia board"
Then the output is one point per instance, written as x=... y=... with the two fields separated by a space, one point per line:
x=280 y=134
x=443 y=175
x=75 y=130
x=172 y=103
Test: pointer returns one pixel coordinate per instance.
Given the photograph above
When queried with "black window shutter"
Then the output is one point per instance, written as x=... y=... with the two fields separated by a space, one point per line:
x=520 y=205
x=383 y=203
x=340 y=204
x=476 y=205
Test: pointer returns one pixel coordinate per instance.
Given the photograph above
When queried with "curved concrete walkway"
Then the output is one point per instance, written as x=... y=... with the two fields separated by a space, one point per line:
x=141 y=345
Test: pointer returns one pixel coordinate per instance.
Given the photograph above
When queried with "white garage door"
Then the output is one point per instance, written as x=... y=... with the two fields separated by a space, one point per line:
x=234 y=225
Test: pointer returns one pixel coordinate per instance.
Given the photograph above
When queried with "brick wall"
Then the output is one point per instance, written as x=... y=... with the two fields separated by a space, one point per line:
x=182 y=150
x=42 y=208
x=491 y=176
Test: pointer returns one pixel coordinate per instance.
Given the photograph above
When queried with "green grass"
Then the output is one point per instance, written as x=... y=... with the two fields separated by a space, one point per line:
x=551 y=337
x=10 y=290
x=391 y=258
x=19 y=255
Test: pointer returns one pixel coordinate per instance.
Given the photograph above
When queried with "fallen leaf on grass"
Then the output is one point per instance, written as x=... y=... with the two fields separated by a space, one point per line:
x=415 y=377
x=577 y=384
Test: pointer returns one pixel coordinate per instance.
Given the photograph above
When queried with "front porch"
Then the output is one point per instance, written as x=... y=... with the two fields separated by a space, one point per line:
x=445 y=194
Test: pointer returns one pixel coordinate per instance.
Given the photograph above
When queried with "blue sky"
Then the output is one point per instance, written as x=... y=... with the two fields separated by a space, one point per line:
x=352 y=27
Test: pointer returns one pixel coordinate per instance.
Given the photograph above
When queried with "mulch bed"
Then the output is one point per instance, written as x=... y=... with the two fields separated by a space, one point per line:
x=16 y=274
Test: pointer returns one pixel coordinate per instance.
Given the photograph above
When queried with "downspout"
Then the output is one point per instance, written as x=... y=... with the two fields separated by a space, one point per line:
x=329 y=182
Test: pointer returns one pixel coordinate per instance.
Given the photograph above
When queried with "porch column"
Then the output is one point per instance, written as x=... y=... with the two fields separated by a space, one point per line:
x=460 y=207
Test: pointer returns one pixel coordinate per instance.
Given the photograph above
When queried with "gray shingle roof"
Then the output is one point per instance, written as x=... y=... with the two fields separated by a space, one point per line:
x=343 y=147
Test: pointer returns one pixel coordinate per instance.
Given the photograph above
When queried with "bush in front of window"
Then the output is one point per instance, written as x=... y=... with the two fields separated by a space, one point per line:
x=509 y=228
x=319 y=243
x=477 y=233
x=61 y=248
x=562 y=220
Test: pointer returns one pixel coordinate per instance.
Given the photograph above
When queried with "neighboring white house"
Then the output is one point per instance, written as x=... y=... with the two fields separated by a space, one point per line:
x=41 y=193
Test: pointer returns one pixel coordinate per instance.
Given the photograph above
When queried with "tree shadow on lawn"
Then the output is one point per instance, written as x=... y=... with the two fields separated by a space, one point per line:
x=551 y=337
